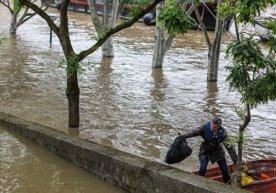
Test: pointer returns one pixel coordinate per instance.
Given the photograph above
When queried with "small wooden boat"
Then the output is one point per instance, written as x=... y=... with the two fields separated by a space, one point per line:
x=263 y=173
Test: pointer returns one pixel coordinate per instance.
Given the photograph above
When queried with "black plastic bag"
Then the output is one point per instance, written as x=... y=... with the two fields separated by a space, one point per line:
x=178 y=150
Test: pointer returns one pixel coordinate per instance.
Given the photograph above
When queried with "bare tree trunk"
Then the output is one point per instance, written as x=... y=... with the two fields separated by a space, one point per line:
x=159 y=47
x=214 y=47
x=107 y=48
x=72 y=93
x=72 y=90
x=16 y=19
x=13 y=26
x=214 y=54
x=109 y=20
x=162 y=45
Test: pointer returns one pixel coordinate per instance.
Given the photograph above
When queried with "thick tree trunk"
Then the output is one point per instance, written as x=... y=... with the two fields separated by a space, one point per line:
x=109 y=21
x=107 y=48
x=161 y=44
x=213 y=62
x=72 y=90
x=214 y=54
x=159 y=47
x=213 y=48
x=72 y=93
x=13 y=26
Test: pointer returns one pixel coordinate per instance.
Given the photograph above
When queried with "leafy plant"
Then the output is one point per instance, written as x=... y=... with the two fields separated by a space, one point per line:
x=17 y=6
x=135 y=7
x=72 y=65
x=2 y=39
x=252 y=73
x=174 y=19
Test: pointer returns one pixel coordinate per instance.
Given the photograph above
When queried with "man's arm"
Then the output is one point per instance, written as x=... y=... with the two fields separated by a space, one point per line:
x=196 y=132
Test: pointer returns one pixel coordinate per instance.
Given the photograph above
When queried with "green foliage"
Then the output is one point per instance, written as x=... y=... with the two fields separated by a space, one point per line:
x=96 y=37
x=93 y=36
x=240 y=111
x=17 y=6
x=245 y=10
x=174 y=18
x=271 y=25
x=232 y=140
x=71 y=65
x=272 y=44
x=2 y=39
x=262 y=89
x=135 y=7
x=137 y=2
x=227 y=8
x=104 y=32
x=248 y=9
x=252 y=73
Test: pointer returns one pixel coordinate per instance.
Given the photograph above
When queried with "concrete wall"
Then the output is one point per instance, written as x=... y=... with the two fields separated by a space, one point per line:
x=132 y=173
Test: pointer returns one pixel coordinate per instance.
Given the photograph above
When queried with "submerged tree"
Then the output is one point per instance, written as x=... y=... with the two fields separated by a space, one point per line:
x=19 y=13
x=214 y=46
x=174 y=18
x=174 y=22
x=112 y=9
x=252 y=73
x=109 y=19
x=72 y=58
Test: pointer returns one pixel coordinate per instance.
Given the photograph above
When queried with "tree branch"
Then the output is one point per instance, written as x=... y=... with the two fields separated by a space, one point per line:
x=116 y=29
x=202 y=26
x=6 y=6
x=42 y=14
x=64 y=16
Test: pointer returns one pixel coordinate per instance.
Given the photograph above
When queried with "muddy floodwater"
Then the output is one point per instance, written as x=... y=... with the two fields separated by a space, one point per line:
x=124 y=103
x=27 y=168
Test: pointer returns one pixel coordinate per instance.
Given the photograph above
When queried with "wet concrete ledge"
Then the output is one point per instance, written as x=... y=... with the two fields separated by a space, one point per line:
x=131 y=173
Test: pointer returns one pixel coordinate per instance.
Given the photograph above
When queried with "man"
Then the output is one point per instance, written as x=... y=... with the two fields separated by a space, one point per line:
x=211 y=148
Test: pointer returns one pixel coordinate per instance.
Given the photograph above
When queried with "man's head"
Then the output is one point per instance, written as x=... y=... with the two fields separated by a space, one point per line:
x=216 y=123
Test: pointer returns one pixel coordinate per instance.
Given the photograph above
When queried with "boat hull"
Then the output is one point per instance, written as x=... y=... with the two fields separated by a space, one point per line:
x=207 y=12
x=266 y=167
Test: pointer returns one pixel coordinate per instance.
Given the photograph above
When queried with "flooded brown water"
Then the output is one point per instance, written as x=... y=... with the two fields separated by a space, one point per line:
x=28 y=168
x=124 y=103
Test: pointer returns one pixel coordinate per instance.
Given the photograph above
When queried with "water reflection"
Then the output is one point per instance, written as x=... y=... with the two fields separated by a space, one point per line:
x=158 y=92
x=211 y=108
